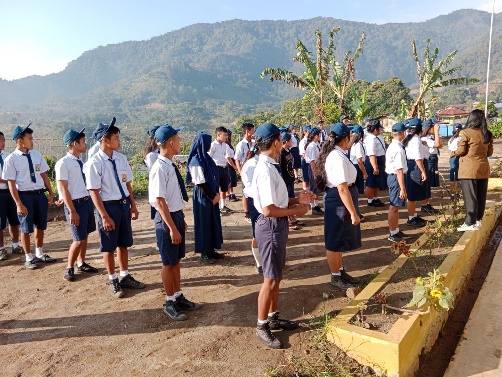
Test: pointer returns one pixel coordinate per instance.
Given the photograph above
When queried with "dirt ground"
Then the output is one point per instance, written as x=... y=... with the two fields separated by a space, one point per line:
x=51 y=327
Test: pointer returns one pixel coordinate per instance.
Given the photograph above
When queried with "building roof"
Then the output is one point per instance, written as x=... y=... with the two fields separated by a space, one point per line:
x=452 y=112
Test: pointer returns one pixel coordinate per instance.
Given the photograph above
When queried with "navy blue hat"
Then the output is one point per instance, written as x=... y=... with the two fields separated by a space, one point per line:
x=70 y=136
x=101 y=130
x=376 y=123
x=285 y=136
x=291 y=126
x=18 y=131
x=266 y=131
x=320 y=121
x=229 y=133
x=428 y=123
x=457 y=126
x=343 y=117
x=340 y=129
x=406 y=121
x=399 y=127
x=165 y=132
x=357 y=129
x=151 y=131
x=313 y=130
x=307 y=127
x=367 y=119
x=434 y=120
x=283 y=129
x=414 y=122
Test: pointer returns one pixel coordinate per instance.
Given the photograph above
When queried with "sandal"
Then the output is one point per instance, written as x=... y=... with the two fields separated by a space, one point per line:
x=293 y=227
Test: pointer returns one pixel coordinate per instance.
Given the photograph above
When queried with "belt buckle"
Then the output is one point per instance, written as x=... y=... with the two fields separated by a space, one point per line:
x=123 y=201
x=85 y=198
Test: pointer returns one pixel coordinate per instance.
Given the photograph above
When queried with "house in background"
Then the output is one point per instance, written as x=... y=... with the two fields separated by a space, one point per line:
x=451 y=114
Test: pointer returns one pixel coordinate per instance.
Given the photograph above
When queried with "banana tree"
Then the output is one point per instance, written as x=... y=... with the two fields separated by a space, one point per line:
x=432 y=76
x=360 y=108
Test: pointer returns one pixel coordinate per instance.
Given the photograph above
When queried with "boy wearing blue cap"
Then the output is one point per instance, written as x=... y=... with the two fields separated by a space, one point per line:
x=26 y=171
x=271 y=230
x=301 y=149
x=166 y=192
x=7 y=209
x=150 y=154
x=396 y=168
x=78 y=207
x=108 y=177
x=241 y=151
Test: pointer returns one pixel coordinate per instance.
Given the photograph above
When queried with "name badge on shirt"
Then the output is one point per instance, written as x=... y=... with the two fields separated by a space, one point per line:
x=37 y=167
x=124 y=177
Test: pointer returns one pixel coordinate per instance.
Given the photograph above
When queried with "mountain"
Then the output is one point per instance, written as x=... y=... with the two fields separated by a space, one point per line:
x=206 y=74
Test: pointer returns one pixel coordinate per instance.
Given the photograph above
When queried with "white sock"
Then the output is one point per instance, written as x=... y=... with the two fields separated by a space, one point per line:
x=271 y=314
x=39 y=252
x=29 y=257
x=394 y=232
x=170 y=298
x=2 y=247
x=415 y=214
x=177 y=294
x=341 y=269
x=80 y=264
x=296 y=174
x=262 y=322
x=316 y=203
x=124 y=273
x=257 y=256
x=375 y=197
x=222 y=203
x=15 y=244
x=336 y=274
x=112 y=277
x=312 y=205
x=371 y=200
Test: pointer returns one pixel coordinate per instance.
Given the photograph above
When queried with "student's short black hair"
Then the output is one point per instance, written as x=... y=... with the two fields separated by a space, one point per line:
x=79 y=137
x=25 y=132
x=220 y=129
x=111 y=131
x=264 y=145
x=1 y=134
x=247 y=126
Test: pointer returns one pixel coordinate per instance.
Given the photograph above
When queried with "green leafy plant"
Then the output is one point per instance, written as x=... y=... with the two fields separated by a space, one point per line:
x=496 y=128
x=430 y=291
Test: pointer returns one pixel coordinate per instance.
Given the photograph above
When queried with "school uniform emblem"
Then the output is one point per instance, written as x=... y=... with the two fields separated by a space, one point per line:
x=124 y=177
x=37 y=167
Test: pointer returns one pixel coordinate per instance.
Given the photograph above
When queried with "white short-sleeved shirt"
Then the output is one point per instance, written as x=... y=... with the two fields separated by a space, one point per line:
x=294 y=141
x=163 y=183
x=339 y=168
x=453 y=144
x=429 y=139
x=268 y=186
x=395 y=158
x=197 y=174
x=68 y=169
x=93 y=150
x=150 y=159
x=230 y=152
x=100 y=174
x=415 y=149
x=4 y=155
x=426 y=152
x=301 y=146
x=247 y=176
x=375 y=145
x=312 y=152
x=357 y=151
x=16 y=167
x=219 y=153
x=241 y=150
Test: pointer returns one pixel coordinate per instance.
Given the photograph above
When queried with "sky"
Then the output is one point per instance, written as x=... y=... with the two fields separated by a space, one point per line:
x=42 y=37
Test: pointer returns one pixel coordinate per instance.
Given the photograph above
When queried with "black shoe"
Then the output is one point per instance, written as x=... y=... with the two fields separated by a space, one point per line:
x=338 y=282
x=404 y=236
x=44 y=258
x=416 y=222
x=276 y=323
x=376 y=203
x=265 y=336
x=247 y=218
x=430 y=209
x=215 y=255
x=184 y=304
x=317 y=211
x=206 y=258
x=129 y=282
x=69 y=274
x=362 y=218
x=173 y=311
x=259 y=270
x=86 y=268
x=233 y=198
x=395 y=238
x=30 y=265
x=226 y=210
x=115 y=288
x=347 y=278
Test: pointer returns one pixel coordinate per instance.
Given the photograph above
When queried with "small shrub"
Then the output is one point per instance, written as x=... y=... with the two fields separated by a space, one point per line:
x=496 y=128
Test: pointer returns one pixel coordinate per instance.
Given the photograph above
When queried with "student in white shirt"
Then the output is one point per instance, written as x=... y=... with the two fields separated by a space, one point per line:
x=454 y=164
x=312 y=150
x=432 y=142
x=357 y=157
x=26 y=171
x=301 y=150
x=241 y=151
x=232 y=167
x=295 y=151
x=219 y=153
x=375 y=163
x=150 y=154
x=78 y=207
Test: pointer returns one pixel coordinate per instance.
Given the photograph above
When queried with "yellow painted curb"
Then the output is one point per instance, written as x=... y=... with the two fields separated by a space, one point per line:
x=397 y=352
x=495 y=184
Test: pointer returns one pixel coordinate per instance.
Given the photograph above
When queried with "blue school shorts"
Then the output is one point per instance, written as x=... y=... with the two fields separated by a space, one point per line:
x=37 y=205
x=169 y=252
x=8 y=210
x=454 y=165
x=271 y=234
x=121 y=236
x=224 y=178
x=87 y=225
x=253 y=213
x=305 y=171
x=394 y=191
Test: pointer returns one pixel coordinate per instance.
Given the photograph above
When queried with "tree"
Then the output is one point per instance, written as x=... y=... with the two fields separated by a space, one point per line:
x=432 y=76
x=361 y=108
x=492 y=110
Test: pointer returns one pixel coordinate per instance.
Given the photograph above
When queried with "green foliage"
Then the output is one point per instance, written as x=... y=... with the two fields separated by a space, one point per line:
x=492 y=110
x=140 y=182
x=431 y=291
x=258 y=118
x=51 y=161
x=496 y=128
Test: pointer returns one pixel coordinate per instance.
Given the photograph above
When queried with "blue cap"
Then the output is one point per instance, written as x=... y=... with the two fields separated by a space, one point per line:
x=70 y=136
x=320 y=121
x=434 y=120
x=340 y=129
x=399 y=127
x=428 y=123
x=457 y=126
x=165 y=132
x=313 y=130
x=101 y=130
x=291 y=126
x=283 y=129
x=414 y=122
x=285 y=136
x=151 y=131
x=266 y=131
x=357 y=129
x=406 y=121
x=367 y=119
x=229 y=133
x=343 y=117
x=307 y=127
x=18 y=131
x=376 y=123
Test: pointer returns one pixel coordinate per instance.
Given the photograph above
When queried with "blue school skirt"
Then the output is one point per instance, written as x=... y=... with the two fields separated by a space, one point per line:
x=208 y=234
x=312 y=185
x=433 y=167
x=233 y=177
x=454 y=168
x=359 y=179
x=339 y=233
x=253 y=212
x=305 y=171
x=376 y=181
x=427 y=184
x=295 y=152
x=415 y=188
